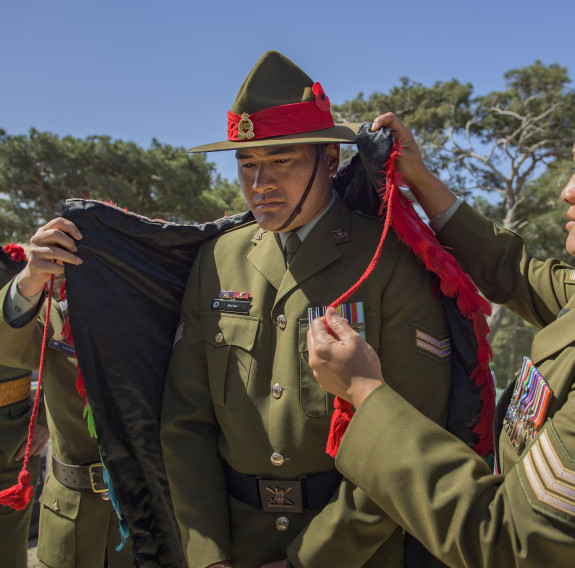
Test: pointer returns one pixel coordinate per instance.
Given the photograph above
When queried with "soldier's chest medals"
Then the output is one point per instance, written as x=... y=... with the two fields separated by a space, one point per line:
x=528 y=408
x=231 y=301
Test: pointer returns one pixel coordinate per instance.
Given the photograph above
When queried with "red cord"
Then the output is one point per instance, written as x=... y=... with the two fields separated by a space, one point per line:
x=34 y=416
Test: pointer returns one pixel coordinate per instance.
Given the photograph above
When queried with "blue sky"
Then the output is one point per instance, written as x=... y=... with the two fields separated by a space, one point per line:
x=170 y=70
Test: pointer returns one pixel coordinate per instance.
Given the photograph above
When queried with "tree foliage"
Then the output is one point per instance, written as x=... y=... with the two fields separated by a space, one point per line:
x=40 y=169
x=490 y=147
x=510 y=345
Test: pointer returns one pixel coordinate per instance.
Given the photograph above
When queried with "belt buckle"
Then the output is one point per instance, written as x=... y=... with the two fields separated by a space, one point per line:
x=95 y=483
x=280 y=496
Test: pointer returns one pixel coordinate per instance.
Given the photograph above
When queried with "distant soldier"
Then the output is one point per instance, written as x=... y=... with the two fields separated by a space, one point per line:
x=78 y=525
x=15 y=410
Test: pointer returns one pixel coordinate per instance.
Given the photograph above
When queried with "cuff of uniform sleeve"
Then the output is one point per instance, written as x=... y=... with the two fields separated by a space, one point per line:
x=439 y=221
x=289 y=564
x=16 y=304
x=19 y=310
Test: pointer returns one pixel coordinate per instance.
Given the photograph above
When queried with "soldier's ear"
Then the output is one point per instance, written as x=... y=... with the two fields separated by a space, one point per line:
x=331 y=153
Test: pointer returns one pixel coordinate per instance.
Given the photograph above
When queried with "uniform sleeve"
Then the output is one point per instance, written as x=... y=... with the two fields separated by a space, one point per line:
x=189 y=435
x=450 y=501
x=20 y=342
x=16 y=306
x=351 y=529
x=500 y=266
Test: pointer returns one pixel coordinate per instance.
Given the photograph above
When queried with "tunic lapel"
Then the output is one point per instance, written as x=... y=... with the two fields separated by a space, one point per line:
x=267 y=257
x=554 y=337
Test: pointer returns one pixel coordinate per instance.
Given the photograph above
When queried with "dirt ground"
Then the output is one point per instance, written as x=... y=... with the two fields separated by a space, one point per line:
x=32 y=560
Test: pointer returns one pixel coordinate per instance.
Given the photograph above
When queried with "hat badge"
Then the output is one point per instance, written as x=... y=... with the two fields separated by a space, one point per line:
x=245 y=127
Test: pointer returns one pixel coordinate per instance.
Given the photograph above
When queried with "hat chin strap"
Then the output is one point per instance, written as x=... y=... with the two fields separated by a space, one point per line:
x=298 y=208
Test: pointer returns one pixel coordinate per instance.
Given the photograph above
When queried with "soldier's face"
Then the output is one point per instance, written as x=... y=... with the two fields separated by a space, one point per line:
x=568 y=195
x=274 y=178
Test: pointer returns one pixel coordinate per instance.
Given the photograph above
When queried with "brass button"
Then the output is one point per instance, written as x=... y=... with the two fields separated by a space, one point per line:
x=219 y=337
x=277 y=390
x=56 y=505
x=277 y=459
x=282 y=524
x=281 y=321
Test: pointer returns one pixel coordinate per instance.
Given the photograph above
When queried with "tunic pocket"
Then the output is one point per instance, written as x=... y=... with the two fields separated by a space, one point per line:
x=58 y=515
x=315 y=402
x=229 y=341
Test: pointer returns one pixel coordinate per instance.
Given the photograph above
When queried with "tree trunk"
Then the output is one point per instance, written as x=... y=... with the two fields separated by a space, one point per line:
x=513 y=351
x=494 y=321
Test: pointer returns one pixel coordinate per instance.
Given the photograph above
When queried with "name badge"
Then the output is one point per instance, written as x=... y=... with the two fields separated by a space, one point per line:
x=61 y=346
x=234 y=306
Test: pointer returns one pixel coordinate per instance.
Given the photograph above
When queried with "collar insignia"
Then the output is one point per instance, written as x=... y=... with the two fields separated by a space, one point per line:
x=259 y=235
x=338 y=234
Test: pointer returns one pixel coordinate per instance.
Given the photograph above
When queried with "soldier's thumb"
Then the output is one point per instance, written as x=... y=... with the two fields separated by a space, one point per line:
x=337 y=325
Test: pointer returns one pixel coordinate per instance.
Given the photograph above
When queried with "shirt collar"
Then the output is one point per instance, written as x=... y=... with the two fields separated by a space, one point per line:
x=306 y=229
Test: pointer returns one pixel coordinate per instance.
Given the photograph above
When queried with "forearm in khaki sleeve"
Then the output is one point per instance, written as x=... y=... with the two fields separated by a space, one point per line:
x=500 y=266
x=20 y=346
x=19 y=308
x=443 y=493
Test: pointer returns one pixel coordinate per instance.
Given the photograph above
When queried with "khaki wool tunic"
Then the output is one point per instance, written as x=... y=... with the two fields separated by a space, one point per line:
x=218 y=402
x=466 y=516
x=76 y=528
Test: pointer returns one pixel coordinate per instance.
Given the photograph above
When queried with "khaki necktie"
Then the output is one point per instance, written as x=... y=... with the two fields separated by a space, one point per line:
x=292 y=244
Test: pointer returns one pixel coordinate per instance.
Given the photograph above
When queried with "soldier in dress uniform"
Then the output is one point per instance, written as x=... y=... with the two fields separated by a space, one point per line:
x=244 y=423
x=78 y=526
x=15 y=410
x=524 y=514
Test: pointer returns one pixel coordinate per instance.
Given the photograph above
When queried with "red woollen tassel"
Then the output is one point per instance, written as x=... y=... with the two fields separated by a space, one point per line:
x=16 y=252
x=18 y=496
x=340 y=420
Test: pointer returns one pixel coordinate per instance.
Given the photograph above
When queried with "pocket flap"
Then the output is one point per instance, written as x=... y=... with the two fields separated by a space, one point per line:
x=60 y=499
x=222 y=330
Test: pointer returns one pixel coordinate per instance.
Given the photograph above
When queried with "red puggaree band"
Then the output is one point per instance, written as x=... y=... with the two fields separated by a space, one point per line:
x=282 y=120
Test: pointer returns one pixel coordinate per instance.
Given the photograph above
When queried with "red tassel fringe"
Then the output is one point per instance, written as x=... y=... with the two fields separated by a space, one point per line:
x=18 y=496
x=340 y=420
x=454 y=283
x=67 y=335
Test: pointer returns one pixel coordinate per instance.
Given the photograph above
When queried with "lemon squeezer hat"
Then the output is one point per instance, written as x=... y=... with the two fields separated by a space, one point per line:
x=279 y=105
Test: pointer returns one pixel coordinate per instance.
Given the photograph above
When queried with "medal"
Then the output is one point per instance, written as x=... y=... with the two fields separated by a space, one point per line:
x=232 y=301
x=528 y=408
x=352 y=312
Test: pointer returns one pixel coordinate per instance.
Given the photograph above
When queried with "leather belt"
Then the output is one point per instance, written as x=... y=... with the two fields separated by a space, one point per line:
x=15 y=390
x=88 y=478
x=307 y=493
